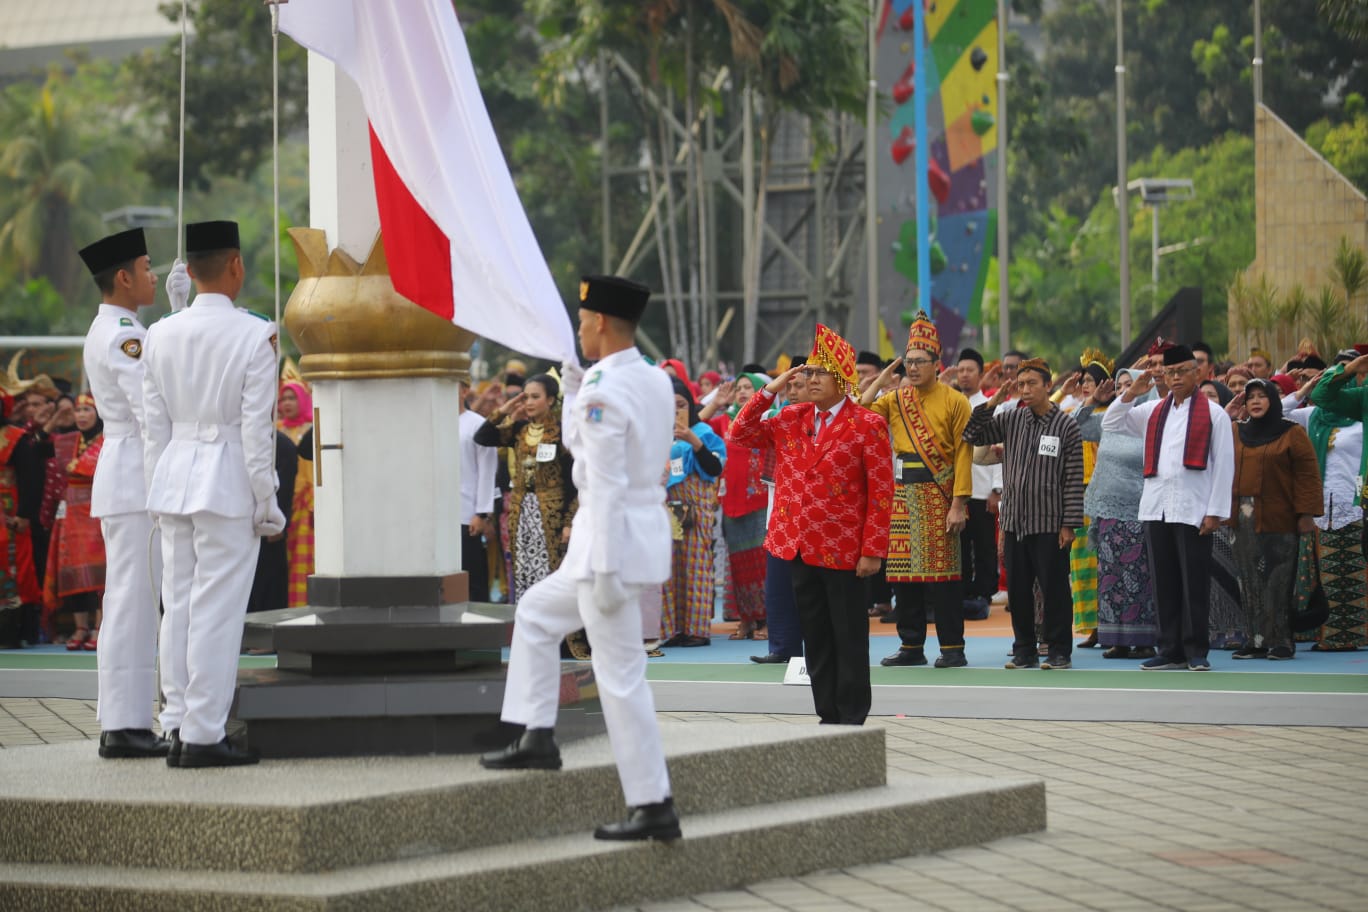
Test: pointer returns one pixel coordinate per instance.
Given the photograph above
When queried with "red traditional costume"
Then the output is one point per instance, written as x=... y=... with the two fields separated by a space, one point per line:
x=833 y=494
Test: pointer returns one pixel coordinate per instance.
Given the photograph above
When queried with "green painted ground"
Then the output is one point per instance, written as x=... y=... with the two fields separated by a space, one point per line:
x=1246 y=682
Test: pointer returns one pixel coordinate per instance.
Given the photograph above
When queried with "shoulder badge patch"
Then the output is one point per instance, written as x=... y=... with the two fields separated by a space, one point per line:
x=593 y=378
x=594 y=414
x=275 y=342
x=132 y=348
x=125 y=321
x=259 y=316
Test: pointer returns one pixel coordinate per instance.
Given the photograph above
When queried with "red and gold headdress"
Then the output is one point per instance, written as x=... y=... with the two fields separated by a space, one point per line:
x=85 y=399
x=832 y=353
x=923 y=335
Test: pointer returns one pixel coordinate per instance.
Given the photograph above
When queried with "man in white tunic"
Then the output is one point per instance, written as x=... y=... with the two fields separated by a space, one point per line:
x=1189 y=473
x=618 y=422
x=126 y=661
x=209 y=394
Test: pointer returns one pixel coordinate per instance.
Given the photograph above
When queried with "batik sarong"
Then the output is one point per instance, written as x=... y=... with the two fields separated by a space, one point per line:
x=919 y=551
x=1345 y=580
x=1125 y=592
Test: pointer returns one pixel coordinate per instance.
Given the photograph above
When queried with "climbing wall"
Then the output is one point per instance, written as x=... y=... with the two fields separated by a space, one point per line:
x=961 y=64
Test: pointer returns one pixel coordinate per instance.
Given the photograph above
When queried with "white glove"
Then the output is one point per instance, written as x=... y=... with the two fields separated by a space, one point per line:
x=267 y=519
x=572 y=375
x=609 y=593
x=178 y=286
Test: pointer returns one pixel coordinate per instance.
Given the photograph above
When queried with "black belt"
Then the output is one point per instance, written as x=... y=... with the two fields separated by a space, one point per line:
x=909 y=469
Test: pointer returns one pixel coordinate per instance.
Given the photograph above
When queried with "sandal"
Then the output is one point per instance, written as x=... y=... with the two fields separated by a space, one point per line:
x=1117 y=652
x=746 y=631
x=78 y=639
x=90 y=643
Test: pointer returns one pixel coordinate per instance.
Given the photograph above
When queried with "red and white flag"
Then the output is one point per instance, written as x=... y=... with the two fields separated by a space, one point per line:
x=454 y=228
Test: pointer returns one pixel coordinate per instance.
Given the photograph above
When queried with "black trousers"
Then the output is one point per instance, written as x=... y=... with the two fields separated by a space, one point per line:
x=978 y=552
x=1033 y=559
x=1180 y=565
x=835 y=627
x=876 y=588
x=941 y=602
x=271 y=584
x=475 y=562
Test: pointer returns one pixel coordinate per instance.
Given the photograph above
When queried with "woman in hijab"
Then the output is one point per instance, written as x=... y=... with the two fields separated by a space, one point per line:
x=744 y=500
x=1277 y=497
x=1126 y=619
x=295 y=420
x=75 y=572
x=696 y=460
x=1096 y=394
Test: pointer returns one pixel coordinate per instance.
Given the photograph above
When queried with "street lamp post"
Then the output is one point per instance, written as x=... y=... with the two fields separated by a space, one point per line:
x=1154 y=193
x=1122 y=201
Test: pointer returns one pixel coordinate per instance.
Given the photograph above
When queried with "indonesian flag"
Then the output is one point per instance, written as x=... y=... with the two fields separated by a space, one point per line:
x=454 y=228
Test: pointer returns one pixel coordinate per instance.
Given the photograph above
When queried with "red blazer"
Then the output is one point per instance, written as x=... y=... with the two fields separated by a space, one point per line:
x=831 y=504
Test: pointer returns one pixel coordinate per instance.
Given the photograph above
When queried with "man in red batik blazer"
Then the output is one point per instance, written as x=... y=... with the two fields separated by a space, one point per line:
x=832 y=497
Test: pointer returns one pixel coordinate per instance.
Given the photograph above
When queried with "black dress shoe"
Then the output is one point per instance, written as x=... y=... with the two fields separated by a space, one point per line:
x=174 y=754
x=535 y=748
x=649 y=821
x=952 y=658
x=128 y=743
x=904 y=657
x=773 y=658
x=201 y=756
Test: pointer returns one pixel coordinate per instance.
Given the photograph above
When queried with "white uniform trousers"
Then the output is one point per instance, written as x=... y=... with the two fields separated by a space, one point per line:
x=127 y=657
x=547 y=612
x=209 y=564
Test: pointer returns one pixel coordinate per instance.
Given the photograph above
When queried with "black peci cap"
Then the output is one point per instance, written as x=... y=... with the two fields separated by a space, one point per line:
x=114 y=250
x=202 y=237
x=614 y=296
x=1178 y=354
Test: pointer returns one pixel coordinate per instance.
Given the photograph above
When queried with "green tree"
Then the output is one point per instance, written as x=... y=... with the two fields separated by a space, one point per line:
x=227 y=93
x=1064 y=273
x=65 y=156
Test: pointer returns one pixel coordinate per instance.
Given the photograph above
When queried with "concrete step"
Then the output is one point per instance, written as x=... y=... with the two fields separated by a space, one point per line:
x=721 y=848
x=63 y=804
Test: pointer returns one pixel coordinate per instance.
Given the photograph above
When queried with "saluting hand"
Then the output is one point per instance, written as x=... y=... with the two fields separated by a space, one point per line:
x=780 y=383
x=1142 y=385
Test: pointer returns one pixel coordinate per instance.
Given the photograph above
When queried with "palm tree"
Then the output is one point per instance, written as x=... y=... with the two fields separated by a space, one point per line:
x=46 y=178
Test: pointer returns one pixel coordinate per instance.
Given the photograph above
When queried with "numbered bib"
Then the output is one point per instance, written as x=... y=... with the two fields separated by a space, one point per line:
x=546 y=452
x=677 y=466
x=1049 y=446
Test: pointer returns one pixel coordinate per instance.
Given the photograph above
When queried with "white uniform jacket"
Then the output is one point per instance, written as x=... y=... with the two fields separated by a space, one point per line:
x=209 y=396
x=114 y=370
x=620 y=427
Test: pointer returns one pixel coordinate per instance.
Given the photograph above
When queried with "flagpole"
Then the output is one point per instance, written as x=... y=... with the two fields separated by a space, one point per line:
x=1004 y=314
x=922 y=158
x=872 y=180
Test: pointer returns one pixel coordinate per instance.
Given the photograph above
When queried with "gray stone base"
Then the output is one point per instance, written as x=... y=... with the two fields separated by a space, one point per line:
x=440 y=833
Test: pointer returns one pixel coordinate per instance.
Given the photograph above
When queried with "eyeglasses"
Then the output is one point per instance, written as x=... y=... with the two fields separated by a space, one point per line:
x=1178 y=371
x=918 y=362
x=814 y=373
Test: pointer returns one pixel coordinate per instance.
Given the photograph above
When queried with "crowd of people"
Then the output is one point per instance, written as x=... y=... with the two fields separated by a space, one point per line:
x=52 y=552
x=1155 y=511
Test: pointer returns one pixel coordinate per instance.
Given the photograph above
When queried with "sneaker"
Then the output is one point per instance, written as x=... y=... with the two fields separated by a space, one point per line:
x=1249 y=652
x=904 y=657
x=1280 y=653
x=1057 y=661
x=1161 y=663
x=953 y=658
x=1023 y=662
x=1199 y=665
